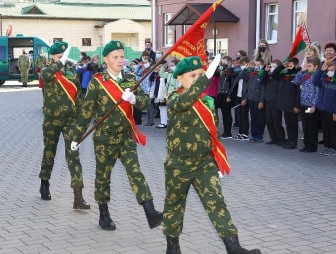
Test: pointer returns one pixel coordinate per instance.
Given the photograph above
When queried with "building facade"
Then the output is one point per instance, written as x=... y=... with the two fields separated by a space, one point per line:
x=85 y=26
x=275 y=20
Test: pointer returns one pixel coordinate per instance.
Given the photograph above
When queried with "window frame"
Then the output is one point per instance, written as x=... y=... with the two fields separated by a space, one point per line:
x=89 y=40
x=295 y=25
x=267 y=18
x=166 y=28
x=57 y=39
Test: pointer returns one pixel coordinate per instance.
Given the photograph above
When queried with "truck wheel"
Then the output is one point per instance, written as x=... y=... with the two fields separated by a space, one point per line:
x=2 y=82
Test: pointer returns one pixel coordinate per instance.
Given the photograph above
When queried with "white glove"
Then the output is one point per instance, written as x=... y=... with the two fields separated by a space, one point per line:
x=74 y=146
x=128 y=96
x=213 y=66
x=220 y=174
x=65 y=55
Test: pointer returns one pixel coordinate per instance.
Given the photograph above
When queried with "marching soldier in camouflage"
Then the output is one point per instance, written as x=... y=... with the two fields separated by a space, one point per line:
x=23 y=63
x=41 y=61
x=61 y=102
x=190 y=160
x=114 y=137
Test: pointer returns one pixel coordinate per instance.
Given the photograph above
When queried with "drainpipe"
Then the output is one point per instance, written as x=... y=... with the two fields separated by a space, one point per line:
x=258 y=22
x=154 y=19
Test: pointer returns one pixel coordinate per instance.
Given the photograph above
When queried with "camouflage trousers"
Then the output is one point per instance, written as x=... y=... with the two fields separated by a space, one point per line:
x=106 y=157
x=202 y=173
x=24 y=75
x=52 y=128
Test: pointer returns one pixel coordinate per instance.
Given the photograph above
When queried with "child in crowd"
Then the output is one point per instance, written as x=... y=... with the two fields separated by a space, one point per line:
x=308 y=100
x=256 y=96
x=288 y=100
x=167 y=85
x=239 y=91
x=223 y=91
x=273 y=114
x=194 y=157
x=325 y=78
x=212 y=89
x=146 y=85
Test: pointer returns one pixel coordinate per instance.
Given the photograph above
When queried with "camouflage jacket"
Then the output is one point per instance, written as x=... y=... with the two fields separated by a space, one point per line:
x=186 y=134
x=116 y=128
x=56 y=102
x=23 y=62
x=41 y=62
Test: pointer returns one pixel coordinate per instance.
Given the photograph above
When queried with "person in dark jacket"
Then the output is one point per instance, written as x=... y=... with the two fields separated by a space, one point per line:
x=237 y=94
x=273 y=114
x=256 y=97
x=325 y=78
x=288 y=99
x=223 y=90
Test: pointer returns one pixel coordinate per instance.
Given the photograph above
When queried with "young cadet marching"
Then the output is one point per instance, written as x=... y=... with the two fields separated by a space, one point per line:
x=62 y=99
x=115 y=137
x=195 y=156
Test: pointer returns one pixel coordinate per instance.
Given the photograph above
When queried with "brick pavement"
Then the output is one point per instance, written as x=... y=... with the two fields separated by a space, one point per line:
x=282 y=201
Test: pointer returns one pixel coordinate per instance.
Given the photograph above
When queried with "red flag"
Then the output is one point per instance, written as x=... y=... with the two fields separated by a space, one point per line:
x=192 y=42
x=301 y=41
x=9 y=30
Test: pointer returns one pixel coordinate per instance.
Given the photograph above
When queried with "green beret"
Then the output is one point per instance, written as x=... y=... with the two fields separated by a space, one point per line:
x=112 y=45
x=187 y=64
x=58 y=47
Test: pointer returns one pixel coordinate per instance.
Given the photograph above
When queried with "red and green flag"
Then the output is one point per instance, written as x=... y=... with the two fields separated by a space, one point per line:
x=301 y=41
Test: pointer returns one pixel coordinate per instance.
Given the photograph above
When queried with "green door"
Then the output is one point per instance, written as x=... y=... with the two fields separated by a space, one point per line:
x=3 y=58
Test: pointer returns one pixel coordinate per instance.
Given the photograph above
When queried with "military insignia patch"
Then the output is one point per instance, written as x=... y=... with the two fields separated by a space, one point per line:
x=63 y=47
x=118 y=44
x=195 y=62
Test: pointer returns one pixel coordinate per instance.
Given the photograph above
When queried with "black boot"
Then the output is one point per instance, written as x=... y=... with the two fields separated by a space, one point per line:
x=79 y=202
x=105 y=220
x=154 y=217
x=233 y=247
x=173 y=245
x=44 y=190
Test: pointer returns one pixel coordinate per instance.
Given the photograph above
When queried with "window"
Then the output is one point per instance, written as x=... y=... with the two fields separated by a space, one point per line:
x=168 y=31
x=272 y=22
x=299 y=15
x=86 y=41
x=57 y=39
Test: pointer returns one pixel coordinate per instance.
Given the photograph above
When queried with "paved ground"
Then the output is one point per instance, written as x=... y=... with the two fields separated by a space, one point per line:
x=281 y=201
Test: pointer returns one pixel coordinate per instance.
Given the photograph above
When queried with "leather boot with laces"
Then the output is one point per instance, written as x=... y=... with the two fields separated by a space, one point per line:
x=173 y=245
x=79 y=202
x=233 y=247
x=105 y=220
x=44 y=190
x=154 y=217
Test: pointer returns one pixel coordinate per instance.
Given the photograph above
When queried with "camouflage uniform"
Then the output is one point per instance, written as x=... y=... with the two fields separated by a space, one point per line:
x=24 y=67
x=190 y=162
x=41 y=61
x=113 y=138
x=59 y=117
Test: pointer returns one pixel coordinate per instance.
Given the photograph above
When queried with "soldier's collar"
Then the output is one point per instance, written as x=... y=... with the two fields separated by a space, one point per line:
x=115 y=77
